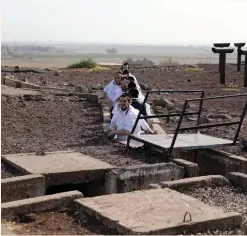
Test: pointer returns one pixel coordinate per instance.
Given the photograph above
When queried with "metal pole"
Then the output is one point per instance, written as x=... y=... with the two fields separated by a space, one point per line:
x=222 y=68
x=219 y=62
x=240 y=123
x=200 y=111
x=177 y=129
x=137 y=118
x=239 y=59
x=245 y=71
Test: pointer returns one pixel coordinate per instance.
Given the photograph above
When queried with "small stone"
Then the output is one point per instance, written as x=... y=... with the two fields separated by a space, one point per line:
x=40 y=152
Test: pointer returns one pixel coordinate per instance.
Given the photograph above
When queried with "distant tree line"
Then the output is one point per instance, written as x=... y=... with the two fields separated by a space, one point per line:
x=139 y=62
x=111 y=51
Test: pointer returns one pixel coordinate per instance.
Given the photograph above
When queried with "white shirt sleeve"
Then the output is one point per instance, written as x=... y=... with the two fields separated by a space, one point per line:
x=144 y=124
x=114 y=119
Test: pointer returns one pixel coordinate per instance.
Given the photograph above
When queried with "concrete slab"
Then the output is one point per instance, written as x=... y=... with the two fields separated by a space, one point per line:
x=60 y=167
x=156 y=211
x=183 y=141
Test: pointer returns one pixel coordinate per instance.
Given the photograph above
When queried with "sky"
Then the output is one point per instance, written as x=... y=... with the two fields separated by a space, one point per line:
x=125 y=21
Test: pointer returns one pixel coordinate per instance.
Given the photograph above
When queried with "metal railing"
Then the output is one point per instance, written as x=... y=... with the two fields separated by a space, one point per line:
x=183 y=113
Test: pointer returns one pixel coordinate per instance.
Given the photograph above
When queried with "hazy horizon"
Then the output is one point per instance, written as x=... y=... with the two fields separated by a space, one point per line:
x=126 y=22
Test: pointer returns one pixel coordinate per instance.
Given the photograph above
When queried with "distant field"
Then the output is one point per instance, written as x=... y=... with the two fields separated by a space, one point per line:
x=45 y=60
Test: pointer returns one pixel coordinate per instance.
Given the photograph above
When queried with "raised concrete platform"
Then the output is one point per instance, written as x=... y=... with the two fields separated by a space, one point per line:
x=156 y=211
x=60 y=167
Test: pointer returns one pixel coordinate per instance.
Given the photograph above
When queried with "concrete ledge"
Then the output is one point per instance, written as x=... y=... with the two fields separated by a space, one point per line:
x=90 y=97
x=191 y=169
x=18 y=84
x=154 y=186
x=21 y=187
x=219 y=162
x=140 y=176
x=238 y=179
x=196 y=182
x=39 y=204
x=28 y=85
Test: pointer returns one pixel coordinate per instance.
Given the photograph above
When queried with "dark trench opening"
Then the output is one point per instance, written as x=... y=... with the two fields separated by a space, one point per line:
x=91 y=189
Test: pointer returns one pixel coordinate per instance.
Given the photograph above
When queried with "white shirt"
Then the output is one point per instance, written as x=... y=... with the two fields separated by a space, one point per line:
x=135 y=80
x=126 y=120
x=112 y=89
x=118 y=93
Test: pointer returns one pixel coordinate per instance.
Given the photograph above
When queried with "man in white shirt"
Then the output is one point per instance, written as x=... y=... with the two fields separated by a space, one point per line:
x=111 y=89
x=124 y=119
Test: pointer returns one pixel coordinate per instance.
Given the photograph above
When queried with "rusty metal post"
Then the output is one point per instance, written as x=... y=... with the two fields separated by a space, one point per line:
x=222 y=63
x=221 y=45
x=239 y=46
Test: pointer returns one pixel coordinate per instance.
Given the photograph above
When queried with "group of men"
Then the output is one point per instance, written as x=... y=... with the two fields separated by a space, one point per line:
x=126 y=99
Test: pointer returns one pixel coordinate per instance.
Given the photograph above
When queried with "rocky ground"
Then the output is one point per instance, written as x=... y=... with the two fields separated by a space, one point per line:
x=180 y=77
x=227 y=197
x=50 y=123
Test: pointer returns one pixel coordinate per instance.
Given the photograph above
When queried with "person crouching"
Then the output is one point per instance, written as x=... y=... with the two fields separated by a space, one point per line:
x=124 y=119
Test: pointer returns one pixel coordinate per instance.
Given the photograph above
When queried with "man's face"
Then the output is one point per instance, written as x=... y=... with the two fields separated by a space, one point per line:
x=126 y=67
x=124 y=103
x=124 y=84
x=118 y=79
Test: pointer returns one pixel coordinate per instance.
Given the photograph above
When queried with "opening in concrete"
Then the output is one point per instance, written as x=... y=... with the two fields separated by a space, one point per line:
x=91 y=189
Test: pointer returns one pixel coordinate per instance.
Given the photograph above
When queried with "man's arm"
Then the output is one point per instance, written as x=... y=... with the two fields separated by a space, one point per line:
x=147 y=128
x=120 y=132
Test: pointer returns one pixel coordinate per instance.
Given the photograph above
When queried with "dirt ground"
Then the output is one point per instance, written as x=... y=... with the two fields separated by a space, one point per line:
x=61 y=222
x=178 y=77
x=52 y=123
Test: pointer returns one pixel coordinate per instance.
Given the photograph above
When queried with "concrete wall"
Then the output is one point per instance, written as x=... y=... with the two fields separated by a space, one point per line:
x=9 y=81
x=214 y=162
x=139 y=177
x=17 y=188
x=238 y=179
